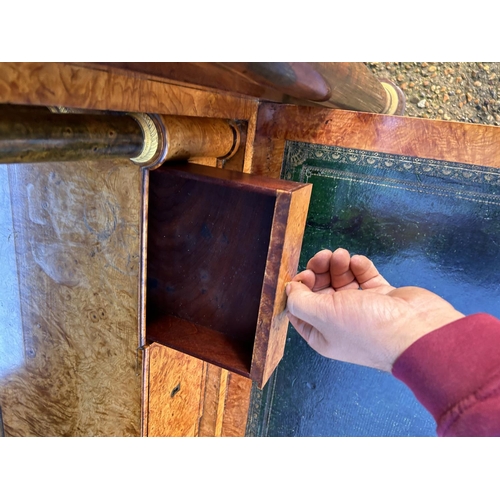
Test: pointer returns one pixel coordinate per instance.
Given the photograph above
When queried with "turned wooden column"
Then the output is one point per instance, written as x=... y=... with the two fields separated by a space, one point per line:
x=42 y=135
x=38 y=137
x=353 y=86
x=343 y=85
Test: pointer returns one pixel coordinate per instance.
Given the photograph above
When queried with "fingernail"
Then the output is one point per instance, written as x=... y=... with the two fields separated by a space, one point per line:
x=287 y=287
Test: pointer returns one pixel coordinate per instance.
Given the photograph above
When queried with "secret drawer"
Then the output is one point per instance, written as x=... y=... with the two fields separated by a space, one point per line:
x=221 y=247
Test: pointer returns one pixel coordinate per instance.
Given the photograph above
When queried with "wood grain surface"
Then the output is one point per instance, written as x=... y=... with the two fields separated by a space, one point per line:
x=75 y=86
x=189 y=397
x=236 y=405
x=176 y=389
x=213 y=401
x=434 y=139
x=97 y=408
x=284 y=254
x=75 y=237
x=189 y=137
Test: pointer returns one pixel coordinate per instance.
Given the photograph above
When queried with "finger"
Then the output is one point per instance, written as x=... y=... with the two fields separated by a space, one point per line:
x=307 y=277
x=365 y=273
x=321 y=282
x=305 y=304
x=340 y=273
x=320 y=263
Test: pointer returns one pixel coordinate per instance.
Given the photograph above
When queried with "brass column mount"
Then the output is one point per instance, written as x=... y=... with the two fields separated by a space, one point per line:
x=61 y=134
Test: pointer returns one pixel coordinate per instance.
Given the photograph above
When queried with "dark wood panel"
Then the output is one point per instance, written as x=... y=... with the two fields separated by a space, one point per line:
x=204 y=343
x=205 y=240
x=207 y=249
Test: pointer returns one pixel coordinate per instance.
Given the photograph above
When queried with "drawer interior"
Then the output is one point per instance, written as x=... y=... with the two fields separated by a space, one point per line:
x=207 y=250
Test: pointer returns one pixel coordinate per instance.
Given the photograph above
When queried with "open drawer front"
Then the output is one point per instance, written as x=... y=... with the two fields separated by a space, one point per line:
x=221 y=247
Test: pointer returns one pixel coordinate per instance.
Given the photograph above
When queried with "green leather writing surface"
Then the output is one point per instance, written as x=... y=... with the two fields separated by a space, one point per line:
x=424 y=223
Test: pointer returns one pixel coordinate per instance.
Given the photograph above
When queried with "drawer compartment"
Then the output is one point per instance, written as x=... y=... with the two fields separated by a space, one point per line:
x=221 y=246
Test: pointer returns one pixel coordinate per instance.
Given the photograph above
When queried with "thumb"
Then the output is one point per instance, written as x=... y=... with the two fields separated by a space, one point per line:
x=304 y=304
x=295 y=286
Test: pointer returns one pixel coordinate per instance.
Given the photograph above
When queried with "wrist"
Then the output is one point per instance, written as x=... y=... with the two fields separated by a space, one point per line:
x=423 y=324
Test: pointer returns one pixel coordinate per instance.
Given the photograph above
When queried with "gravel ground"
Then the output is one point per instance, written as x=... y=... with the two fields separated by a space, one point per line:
x=457 y=91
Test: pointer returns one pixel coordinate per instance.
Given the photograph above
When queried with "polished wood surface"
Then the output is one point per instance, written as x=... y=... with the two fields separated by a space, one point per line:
x=236 y=406
x=76 y=86
x=216 y=388
x=176 y=389
x=189 y=397
x=283 y=259
x=69 y=364
x=191 y=137
x=440 y=140
x=215 y=247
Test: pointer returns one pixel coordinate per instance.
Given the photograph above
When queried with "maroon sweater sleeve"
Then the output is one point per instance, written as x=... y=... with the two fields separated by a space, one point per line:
x=454 y=372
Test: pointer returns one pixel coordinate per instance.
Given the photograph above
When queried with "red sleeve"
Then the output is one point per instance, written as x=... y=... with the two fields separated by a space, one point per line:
x=454 y=372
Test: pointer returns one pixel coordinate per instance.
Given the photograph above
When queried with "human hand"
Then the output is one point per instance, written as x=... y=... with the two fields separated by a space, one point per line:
x=345 y=310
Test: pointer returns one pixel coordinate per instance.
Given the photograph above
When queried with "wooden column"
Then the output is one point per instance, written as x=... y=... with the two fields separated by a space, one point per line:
x=38 y=135
x=339 y=85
